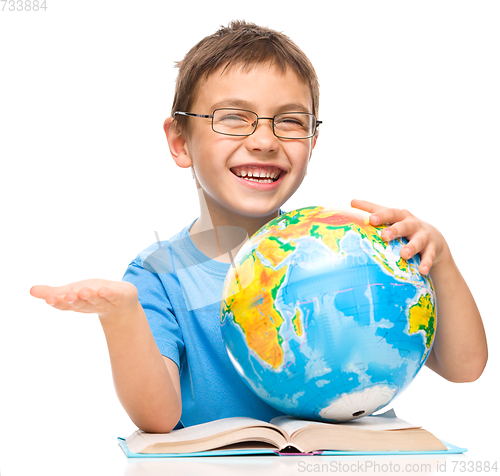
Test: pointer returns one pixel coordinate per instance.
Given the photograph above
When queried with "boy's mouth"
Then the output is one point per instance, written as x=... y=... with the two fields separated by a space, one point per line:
x=261 y=174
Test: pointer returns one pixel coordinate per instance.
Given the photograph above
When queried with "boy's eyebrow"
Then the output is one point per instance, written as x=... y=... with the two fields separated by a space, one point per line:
x=242 y=104
x=232 y=102
x=293 y=107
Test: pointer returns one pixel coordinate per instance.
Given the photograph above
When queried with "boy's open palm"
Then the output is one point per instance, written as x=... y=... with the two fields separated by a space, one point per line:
x=99 y=296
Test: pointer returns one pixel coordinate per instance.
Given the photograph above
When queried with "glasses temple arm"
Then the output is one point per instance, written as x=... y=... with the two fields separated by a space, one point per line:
x=205 y=116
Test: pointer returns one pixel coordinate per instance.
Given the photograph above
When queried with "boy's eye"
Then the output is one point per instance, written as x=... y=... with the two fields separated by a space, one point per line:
x=288 y=120
x=233 y=121
x=233 y=117
x=292 y=122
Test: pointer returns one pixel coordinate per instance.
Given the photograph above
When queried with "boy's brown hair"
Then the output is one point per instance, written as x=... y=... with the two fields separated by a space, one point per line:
x=239 y=43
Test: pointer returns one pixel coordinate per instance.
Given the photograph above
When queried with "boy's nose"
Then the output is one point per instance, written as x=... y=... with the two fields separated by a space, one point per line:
x=263 y=139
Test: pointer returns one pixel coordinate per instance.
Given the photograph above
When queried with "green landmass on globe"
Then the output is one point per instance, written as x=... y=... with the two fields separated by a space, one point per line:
x=322 y=318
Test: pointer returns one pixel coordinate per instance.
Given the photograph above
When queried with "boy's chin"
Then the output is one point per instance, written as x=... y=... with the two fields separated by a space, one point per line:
x=259 y=213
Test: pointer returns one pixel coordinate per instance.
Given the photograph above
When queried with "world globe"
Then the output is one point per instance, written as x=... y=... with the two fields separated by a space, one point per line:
x=322 y=318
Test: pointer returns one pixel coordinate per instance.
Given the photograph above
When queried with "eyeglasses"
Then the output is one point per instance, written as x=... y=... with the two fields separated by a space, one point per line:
x=240 y=122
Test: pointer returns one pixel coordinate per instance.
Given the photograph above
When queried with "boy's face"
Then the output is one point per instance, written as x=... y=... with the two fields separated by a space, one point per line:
x=219 y=161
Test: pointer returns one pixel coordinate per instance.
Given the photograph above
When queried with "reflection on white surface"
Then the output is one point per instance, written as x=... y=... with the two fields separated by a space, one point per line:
x=286 y=465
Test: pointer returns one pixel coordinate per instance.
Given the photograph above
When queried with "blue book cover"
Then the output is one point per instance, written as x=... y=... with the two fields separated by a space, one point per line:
x=451 y=449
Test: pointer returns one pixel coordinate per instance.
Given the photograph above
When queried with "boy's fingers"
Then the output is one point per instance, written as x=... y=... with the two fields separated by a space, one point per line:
x=40 y=291
x=86 y=293
x=70 y=297
x=76 y=302
x=366 y=206
x=62 y=306
x=424 y=268
x=93 y=297
x=90 y=296
x=43 y=291
x=72 y=302
x=59 y=303
x=404 y=228
x=427 y=260
x=418 y=243
x=380 y=215
x=389 y=215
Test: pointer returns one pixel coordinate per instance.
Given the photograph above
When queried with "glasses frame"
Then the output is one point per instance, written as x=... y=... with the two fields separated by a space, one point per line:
x=211 y=116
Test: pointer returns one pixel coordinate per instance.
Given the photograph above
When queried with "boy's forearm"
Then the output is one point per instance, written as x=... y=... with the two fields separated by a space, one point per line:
x=460 y=350
x=142 y=381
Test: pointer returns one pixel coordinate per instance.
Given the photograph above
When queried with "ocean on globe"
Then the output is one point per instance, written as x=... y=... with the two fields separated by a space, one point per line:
x=322 y=318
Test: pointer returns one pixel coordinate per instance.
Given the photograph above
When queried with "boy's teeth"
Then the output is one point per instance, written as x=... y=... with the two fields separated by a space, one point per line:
x=262 y=174
x=260 y=180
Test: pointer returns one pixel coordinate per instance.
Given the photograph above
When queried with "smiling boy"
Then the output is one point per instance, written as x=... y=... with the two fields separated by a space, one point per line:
x=244 y=120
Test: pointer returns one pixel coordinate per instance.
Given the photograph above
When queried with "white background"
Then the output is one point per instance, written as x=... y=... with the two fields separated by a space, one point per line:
x=410 y=103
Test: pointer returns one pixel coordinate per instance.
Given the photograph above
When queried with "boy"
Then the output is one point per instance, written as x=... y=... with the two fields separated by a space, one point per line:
x=244 y=119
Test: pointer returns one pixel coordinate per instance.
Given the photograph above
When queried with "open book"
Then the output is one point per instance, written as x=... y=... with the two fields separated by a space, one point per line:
x=380 y=433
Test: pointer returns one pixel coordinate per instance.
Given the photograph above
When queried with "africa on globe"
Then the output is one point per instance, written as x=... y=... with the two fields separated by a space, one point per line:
x=322 y=318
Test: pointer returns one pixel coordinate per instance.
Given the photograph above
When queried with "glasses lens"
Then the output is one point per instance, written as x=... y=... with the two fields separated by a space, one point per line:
x=234 y=121
x=295 y=125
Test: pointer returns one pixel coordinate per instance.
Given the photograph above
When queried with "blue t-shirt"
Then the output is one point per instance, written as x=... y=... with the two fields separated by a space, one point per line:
x=180 y=289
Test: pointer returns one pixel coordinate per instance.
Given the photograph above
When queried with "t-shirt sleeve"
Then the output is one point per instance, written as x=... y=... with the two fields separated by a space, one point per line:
x=158 y=309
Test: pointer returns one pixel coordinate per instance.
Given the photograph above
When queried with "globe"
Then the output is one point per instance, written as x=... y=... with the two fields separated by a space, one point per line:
x=322 y=318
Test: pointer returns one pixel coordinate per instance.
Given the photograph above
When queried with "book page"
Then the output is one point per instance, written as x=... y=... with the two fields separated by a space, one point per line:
x=383 y=422
x=198 y=432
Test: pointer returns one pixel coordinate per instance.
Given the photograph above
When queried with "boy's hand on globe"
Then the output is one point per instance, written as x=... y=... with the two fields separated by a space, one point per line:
x=422 y=237
x=99 y=296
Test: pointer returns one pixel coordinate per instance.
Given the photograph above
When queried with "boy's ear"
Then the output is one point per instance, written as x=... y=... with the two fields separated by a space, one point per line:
x=177 y=144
